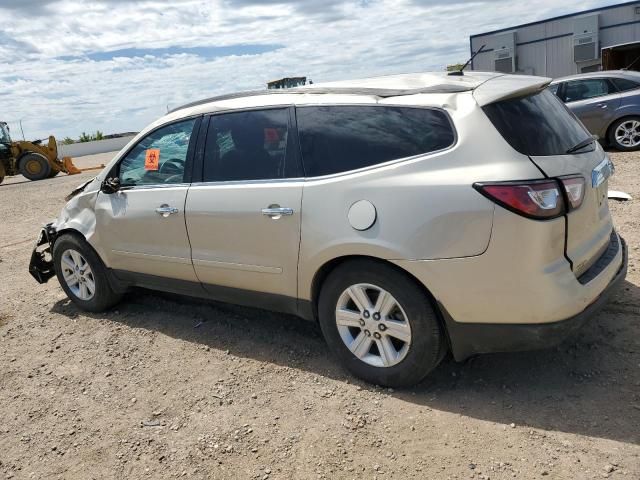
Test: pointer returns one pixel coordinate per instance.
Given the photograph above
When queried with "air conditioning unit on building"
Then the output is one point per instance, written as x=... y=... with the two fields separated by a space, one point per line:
x=585 y=47
x=585 y=38
x=504 y=60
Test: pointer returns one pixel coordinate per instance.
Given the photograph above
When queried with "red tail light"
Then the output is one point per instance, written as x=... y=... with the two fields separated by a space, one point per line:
x=574 y=188
x=538 y=199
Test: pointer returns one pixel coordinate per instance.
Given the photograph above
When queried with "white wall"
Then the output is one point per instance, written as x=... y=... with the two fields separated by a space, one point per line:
x=91 y=148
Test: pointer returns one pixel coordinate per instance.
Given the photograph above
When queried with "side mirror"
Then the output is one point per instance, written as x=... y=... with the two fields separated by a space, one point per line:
x=110 y=185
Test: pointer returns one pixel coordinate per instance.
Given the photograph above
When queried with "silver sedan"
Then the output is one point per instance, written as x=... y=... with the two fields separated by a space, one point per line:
x=608 y=103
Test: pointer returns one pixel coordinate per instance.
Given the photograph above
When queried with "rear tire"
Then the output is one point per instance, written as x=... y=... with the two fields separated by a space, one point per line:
x=34 y=166
x=624 y=134
x=82 y=274
x=394 y=343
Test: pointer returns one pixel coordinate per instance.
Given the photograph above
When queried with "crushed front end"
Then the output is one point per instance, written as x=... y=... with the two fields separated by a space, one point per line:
x=41 y=264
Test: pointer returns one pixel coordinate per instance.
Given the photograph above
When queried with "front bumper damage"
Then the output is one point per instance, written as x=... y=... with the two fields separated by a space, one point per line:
x=41 y=264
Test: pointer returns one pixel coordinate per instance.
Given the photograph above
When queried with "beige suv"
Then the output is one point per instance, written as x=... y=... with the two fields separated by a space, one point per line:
x=409 y=215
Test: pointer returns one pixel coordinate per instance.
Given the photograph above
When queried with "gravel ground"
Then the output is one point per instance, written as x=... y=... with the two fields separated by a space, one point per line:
x=166 y=387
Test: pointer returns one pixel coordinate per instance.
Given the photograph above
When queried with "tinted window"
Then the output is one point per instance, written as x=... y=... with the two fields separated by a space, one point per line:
x=554 y=88
x=248 y=146
x=160 y=157
x=584 y=89
x=339 y=139
x=624 y=84
x=537 y=124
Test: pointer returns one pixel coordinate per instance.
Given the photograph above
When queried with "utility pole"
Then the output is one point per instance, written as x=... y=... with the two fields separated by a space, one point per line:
x=24 y=139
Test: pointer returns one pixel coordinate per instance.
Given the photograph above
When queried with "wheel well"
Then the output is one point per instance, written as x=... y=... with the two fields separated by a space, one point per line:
x=324 y=271
x=616 y=121
x=69 y=231
x=77 y=234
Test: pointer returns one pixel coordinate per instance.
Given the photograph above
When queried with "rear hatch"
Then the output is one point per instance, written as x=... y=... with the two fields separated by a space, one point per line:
x=540 y=126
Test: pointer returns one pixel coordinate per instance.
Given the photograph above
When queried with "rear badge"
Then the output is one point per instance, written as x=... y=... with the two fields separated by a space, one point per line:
x=602 y=171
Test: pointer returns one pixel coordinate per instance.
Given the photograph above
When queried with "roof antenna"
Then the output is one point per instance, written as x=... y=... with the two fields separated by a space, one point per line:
x=460 y=72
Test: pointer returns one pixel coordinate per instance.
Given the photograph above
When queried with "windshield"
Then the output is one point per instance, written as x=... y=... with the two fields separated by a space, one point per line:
x=4 y=133
x=538 y=125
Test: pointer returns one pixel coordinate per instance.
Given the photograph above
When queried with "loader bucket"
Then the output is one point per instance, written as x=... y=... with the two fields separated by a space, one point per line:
x=68 y=167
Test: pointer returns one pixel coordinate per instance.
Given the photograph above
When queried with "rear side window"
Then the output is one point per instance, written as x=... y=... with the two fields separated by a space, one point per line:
x=250 y=145
x=624 y=84
x=538 y=124
x=336 y=139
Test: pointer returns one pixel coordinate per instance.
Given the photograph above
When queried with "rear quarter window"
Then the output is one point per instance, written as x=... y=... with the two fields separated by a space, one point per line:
x=336 y=139
x=539 y=124
x=624 y=84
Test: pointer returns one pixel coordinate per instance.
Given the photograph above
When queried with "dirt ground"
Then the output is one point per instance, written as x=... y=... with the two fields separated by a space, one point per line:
x=165 y=387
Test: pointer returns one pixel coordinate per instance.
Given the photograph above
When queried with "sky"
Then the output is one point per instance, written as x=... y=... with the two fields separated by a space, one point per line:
x=73 y=66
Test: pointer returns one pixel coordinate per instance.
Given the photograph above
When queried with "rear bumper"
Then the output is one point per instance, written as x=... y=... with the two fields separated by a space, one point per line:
x=468 y=339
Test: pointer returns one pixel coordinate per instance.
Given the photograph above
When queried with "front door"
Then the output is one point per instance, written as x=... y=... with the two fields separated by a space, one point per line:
x=142 y=226
x=243 y=220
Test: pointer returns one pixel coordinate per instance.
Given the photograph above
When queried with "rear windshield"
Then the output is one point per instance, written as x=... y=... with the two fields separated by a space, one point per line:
x=537 y=125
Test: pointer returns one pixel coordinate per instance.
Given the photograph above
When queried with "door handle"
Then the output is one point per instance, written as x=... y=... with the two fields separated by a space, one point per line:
x=276 y=211
x=165 y=210
x=601 y=105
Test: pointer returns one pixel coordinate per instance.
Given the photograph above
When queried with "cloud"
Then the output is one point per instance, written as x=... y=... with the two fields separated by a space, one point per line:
x=116 y=65
x=304 y=7
x=12 y=49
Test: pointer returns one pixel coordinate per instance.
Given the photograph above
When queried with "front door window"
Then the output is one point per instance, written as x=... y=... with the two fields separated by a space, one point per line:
x=159 y=158
x=585 y=89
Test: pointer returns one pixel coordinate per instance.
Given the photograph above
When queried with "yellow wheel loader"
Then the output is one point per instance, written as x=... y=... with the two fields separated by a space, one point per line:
x=31 y=159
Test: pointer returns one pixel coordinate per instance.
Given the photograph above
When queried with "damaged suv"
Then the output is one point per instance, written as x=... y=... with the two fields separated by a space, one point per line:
x=409 y=215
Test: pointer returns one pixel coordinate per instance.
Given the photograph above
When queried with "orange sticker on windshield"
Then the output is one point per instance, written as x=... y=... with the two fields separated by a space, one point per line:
x=152 y=159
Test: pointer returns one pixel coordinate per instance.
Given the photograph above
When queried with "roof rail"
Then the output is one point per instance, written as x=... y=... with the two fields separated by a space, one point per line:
x=376 y=92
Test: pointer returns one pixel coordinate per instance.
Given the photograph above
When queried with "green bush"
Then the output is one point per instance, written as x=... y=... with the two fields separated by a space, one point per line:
x=91 y=137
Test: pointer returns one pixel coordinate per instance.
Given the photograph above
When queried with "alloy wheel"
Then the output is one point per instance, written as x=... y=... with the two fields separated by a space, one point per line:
x=373 y=325
x=78 y=274
x=628 y=133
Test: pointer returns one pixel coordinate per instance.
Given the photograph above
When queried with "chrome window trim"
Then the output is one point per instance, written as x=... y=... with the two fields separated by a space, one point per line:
x=154 y=186
x=262 y=181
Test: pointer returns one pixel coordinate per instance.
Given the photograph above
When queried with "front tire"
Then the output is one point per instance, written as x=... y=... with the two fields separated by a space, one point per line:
x=624 y=134
x=34 y=166
x=380 y=324
x=82 y=274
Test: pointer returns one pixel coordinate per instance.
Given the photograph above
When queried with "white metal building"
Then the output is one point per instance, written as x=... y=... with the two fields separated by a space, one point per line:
x=605 y=38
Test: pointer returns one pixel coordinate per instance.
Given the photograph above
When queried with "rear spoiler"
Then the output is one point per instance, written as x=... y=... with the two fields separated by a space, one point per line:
x=508 y=86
